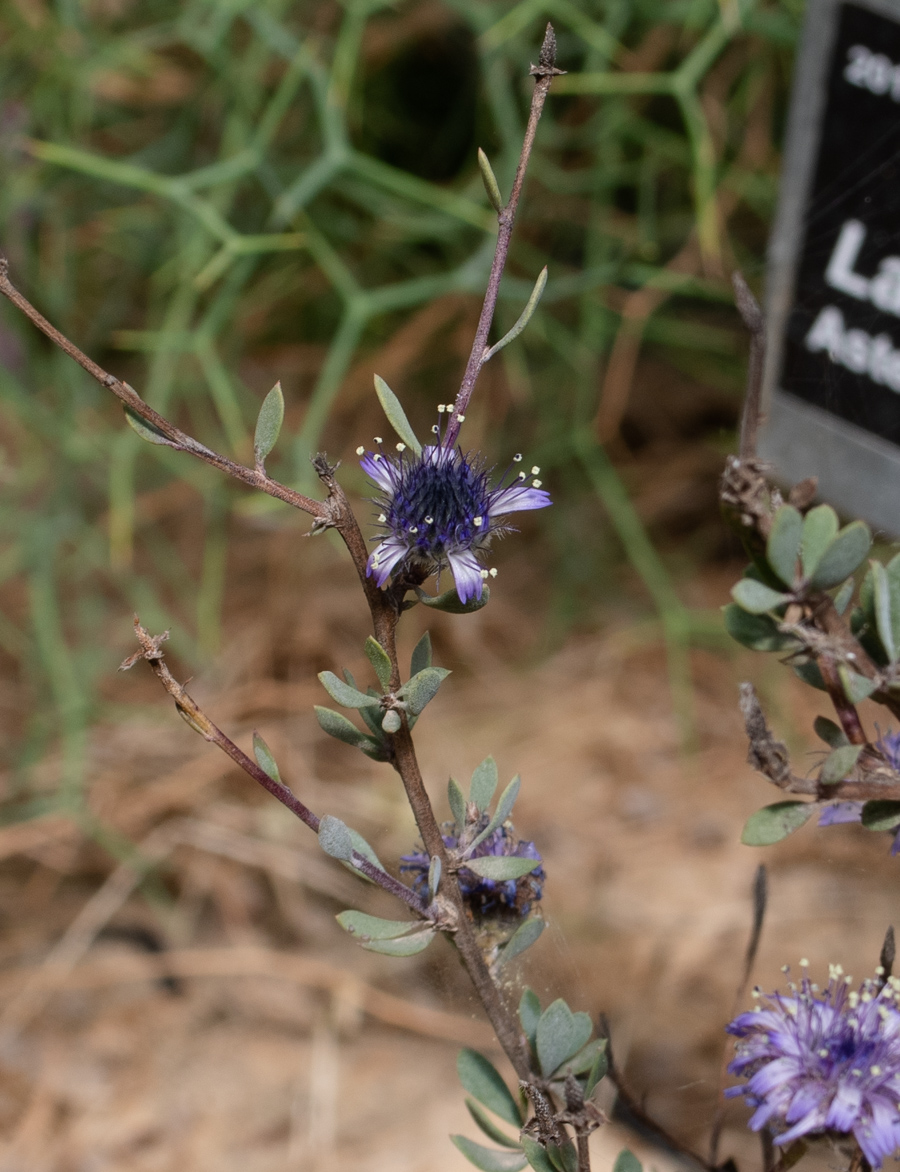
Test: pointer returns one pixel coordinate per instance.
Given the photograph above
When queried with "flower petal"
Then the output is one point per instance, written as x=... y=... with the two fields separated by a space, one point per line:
x=839 y=812
x=384 y=558
x=379 y=470
x=516 y=499
x=466 y=574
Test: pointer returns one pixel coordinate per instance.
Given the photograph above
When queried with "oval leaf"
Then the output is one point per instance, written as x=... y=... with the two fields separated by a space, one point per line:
x=366 y=928
x=756 y=597
x=856 y=687
x=503 y=811
x=268 y=423
x=881 y=815
x=490 y=1128
x=396 y=416
x=146 y=430
x=560 y=1034
x=334 y=838
x=756 y=631
x=783 y=545
x=434 y=878
x=264 y=758
x=489 y=179
x=422 y=688
x=773 y=823
x=380 y=660
x=598 y=1071
x=484 y=1082
x=457 y=802
x=882 y=599
x=362 y=848
x=450 y=603
x=627 y=1161
x=839 y=763
x=523 y=937
x=842 y=556
x=488 y=1159
x=484 y=783
x=501 y=866
x=338 y=726
x=829 y=732
x=345 y=694
x=530 y=1014
x=810 y=674
x=584 y=1060
x=820 y=526
x=404 y=946
x=537 y=1157
x=391 y=721
x=421 y=656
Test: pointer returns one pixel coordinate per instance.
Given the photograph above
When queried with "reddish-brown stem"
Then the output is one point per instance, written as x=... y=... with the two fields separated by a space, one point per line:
x=846 y=712
x=544 y=71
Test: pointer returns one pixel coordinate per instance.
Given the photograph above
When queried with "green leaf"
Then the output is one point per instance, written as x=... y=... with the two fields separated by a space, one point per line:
x=334 y=838
x=560 y=1034
x=584 y=1060
x=843 y=596
x=829 y=732
x=757 y=631
x=366 y=928
x=843 y=555
x=396 y=416
x=773 y=823
x=422 y=688
x=537 y=1157
x=403 y=946
x=882 y=598
x=268 y=423
x=563 y=1157
x=380 y=661
x=501 y=866
x=820 y=526
x=487 y=1159
x=503 y=811
x=450 y=602
x=524 y=936
x=361 y=847
x=597 y=1072
x=627 y=1161
x=810 y=674
x=491 y=186
x=881 y=815
x=338 y=726
x=345 y=694
x=489 y=1127
x=484 y=1082
x=856 y=687
x=146 y=430
x=421 y=656
x=484 y=783
x=264 y=758
x=434 y=878
x=757 y=598
x=783 y=545
x=524 y=318
x=892 y=572
x=839 y=763
x=457 y=801
x=391 y=721
x=530 y=1014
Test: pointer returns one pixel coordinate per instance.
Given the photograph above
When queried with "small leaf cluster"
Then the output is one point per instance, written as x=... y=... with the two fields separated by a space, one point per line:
x=561 y=1044
x=382 y=710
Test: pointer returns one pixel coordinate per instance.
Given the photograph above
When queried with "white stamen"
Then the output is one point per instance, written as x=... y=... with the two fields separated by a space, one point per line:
x=521 y=475
x=478 y=522
x=436 y=429
x=381 y=518
x=493 y=573
x=360 y=450
x=804 y=963
x=414 y=529
x=378 y=439
x=429 y=520
x=460 y=419
x=537 y=483
x=401 y=447
x=823 y=1053
x=535 y=470
x=441 y=408
x=484 y=575
x=376 y=457
x=517 y=458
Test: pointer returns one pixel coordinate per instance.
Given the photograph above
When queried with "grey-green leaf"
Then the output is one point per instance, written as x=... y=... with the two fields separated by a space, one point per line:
x=584 y=1060
x=457 y=802
x=396 y=416
x=268 y=423
x=488 y=1159
x=881 y=815
x=421 y=656
x=345 y=694
x=484 y=1082
x=627 y=1161
x=537 y=1157
x=560 y=1034
x=338 y=726
x=484 y=783
x=334 y=838
x=598 y=1071
x=530 y=1014
x=391 y=721
x=842 y=556
x=491 y=186
x=783 y=545
x=832 y=734
x=146 y=430
x=373 y=927
x=882 y=599
x=403 y=946
x=264 y=758
x=380 y=661
x=856 y=687
x=775 y=822
x=362 y=848
x=422 y=688
x=501 y=867
x=524 y=318
x=756 y=597
x=820 y=526
x=810 y=674
x=450 y=602
x=524 y=936
x=839 y=763
x=490 y=1128
x=757 y=631
x=563 y=1156
x=434 y=878
x=503 y=811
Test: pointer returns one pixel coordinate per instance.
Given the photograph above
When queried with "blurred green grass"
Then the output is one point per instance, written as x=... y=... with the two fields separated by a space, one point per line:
x=199 y=193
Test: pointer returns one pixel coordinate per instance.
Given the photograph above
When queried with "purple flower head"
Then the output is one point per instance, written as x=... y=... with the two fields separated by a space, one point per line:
x=824 y=1061
x=851 y=811
x=438 y=509
x=889 y=743
x=487 y=898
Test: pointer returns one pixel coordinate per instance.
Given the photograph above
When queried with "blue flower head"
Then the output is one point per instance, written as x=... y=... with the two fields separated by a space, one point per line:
x=824 y=1061
x=836 y=813
x=438 y=509
x=508 y=899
